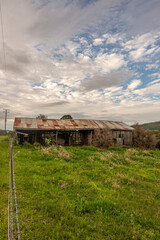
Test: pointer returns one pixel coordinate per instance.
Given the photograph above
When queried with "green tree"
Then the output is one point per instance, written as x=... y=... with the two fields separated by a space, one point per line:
x=42 y=116
x=66 y=117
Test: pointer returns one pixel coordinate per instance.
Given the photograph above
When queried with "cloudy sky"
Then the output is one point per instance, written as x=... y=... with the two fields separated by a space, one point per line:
x=93 y=59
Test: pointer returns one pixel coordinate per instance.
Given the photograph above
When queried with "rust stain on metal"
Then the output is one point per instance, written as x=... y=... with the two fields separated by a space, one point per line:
x=106 y=125
x=75 y=124
x=114 y=125
x=33 y=123
x=122 y=125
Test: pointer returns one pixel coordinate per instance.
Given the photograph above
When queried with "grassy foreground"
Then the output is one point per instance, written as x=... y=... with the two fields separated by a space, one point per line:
x=83 y=192
x=4 y=186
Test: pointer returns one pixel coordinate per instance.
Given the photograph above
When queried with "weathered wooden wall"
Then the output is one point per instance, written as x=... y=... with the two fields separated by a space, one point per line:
x=122 y=137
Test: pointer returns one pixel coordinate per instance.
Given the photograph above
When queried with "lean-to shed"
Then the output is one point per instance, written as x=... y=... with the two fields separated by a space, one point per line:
x=69 y=132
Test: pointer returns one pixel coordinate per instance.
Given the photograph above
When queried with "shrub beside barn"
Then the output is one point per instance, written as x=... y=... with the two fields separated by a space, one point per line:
x=72 y=132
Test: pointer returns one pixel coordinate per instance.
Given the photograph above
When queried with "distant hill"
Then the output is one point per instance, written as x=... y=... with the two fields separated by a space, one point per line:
x=151 y=125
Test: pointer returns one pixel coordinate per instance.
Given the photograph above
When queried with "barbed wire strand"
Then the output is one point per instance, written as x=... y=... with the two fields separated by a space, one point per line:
x=11 y=200
x=8 y=217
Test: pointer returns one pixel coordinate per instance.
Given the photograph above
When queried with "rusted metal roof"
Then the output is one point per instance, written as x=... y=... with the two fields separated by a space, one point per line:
x=53 y=124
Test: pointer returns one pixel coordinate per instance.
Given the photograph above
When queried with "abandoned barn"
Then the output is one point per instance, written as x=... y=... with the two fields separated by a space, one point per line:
x=69 y=132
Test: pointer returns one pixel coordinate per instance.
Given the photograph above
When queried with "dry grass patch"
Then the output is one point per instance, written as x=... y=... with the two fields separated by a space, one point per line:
x=130 y=152
x=121 y=175
x=157 y=164
x=63 y=153
x=125 y=178
x=111 y=165
x=146 y=152
x=63 y=185
x=130 y=181
x=102 y=157
x=91 y=159
x=52 y=150
x=45 y=150
x=115 y=184
x=108 y=156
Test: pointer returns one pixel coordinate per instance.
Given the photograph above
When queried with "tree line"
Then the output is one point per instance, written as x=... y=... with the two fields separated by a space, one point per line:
x=42 y=116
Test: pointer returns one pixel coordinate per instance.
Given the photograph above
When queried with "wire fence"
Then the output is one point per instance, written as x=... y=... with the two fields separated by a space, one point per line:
x=13 y=205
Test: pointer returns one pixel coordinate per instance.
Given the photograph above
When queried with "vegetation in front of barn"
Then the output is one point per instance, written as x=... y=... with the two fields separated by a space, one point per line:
x=87 y=193
x=144 y=138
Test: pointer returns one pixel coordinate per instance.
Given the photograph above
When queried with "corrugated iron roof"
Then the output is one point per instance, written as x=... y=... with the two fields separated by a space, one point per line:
x=49 y=124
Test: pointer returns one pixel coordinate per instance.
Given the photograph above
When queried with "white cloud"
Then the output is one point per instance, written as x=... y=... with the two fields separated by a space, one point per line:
x=46 y=69
x=98 y=41
x=149 y=90
x=109 y=62
x=153 y=82
x=134 y=84
x=141 y=46
x=155 y=75
x=152 y=66
x=112 y=38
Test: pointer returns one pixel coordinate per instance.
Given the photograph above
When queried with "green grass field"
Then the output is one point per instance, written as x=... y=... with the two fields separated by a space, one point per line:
x=83 y=192
x=4 y=186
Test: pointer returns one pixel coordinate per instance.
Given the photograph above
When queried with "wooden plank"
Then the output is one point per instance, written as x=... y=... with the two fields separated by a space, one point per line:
x=56 y=137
